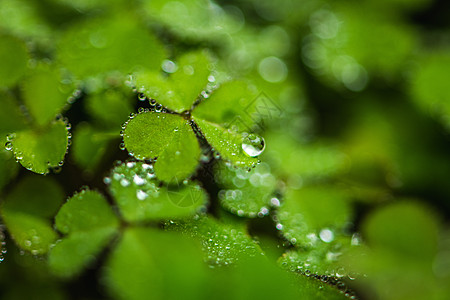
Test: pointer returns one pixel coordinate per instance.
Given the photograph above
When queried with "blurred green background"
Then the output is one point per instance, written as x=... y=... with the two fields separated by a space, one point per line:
x=353 y=101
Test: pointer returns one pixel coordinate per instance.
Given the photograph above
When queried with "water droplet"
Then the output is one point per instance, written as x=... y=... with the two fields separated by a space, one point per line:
x=122 y=146
x=169 y=66
x=326 y=235
x=8 y=146
x=141 y=195
x=142 y=97
x=275 y=202
x=107 y=180
x=140 y=110
x=124 y=182
x=138 y=180
x=279 y=226
x=253 y=145
x=158 y=107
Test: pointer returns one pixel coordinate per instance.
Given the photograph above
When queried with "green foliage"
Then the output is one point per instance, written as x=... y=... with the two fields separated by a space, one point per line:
x=100 y=46
x=140 y=197
x=159 y=263
x=311 y=214
x=27 y=212
x=89 y=224
x=13 y=66
x=248 y=149
x=245 y=193
x=38 y=150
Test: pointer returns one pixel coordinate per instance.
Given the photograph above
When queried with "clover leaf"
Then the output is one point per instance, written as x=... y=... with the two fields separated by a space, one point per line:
x=27 y=210
x=170 y=137
x=42 y=143
x=140 y=197
x=89 y=224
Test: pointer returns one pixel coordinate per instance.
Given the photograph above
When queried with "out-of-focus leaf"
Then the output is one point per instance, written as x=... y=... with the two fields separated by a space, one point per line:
x=105 y=45
x=90 y=145
x=312 y=214
x=429 y=86
x=89 y=224
x=44 y=94
x=247 y=193
x=27 y=211
x=223 y=244
x=151 y=262
x=230 y=105
x=14 y=60
x=110 y=108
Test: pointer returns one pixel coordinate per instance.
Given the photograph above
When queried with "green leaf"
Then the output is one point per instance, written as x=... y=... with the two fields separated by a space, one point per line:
x=78 y=250
x=227 y=143
x=147 y=262
x=8 y=167
x=389 y=228
x=191 y=77
x=322 y=259
x=148 y=134
x=27 y=211
x=90 y=145
x=85 y=211
x=223 y=244
x=109 y=108
x=180 y=158
x=179 y=91
x=311 y=161
x=400 y=259
x=39 y=150
x=14 y=59
x=246 y=193
x=228 y=105
x=313 y=214
x=103 y=45
x=428 y=87
x=11 y=119
x=44 y=94
x=141 y=198
x=194 y=19
x=89 y=224
x=156 y=86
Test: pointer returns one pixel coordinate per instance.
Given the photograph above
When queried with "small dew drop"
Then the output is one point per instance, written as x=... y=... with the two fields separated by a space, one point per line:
x=326 y=235
x=107 y=180
x=124 y=182
x=253 y=145
x=275 y=202
x=169 y=66
x=158 y=107
x=8 y=146
x=138 y=180
x=142 y=97
x=141 y=195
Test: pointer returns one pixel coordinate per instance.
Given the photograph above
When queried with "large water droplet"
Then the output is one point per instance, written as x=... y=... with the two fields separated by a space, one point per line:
x=326 y=235
x=169 y=66
x=8 y=146
x=253 y=145
x=141 y=195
